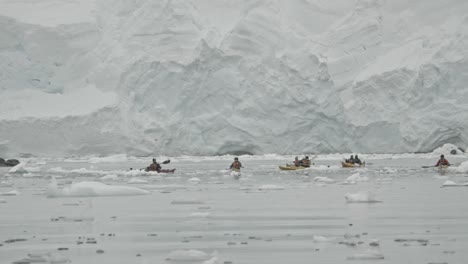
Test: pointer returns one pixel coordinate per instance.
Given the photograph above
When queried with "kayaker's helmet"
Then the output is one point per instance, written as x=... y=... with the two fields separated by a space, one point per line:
x=154 y=160
x=441 y=156
x=352 y=157
x=236 y=158
x=296 y=158
x=307 y=157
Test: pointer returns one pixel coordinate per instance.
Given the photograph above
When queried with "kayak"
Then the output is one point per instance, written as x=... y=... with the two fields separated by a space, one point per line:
x=352 y=165
x=167 y=171
x=289 y=167
x=236 y=170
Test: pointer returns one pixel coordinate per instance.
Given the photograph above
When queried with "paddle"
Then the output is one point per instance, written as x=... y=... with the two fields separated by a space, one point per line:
x=425 y=167
x=166 y=162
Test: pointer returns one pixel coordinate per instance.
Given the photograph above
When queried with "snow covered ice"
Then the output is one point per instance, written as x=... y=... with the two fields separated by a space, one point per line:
x=102 y=77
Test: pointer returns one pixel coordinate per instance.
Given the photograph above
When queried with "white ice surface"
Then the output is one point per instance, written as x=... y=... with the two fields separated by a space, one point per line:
x=100 y=77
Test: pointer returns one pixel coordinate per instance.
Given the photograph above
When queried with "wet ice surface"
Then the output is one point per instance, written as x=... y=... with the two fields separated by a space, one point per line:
x=202 y=214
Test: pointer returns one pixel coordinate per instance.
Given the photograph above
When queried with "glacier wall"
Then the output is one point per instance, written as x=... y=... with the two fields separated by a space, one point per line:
x=175 y=77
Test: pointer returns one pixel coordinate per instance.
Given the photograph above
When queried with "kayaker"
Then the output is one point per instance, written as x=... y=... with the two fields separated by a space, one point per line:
x=236 y=165
x=154 y=166
x=350 y=160
x=306 y=161
x=297 y=162
x=442 y=162
x=357 y=160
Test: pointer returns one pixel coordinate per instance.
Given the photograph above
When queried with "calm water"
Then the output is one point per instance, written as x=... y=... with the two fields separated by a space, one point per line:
x=303 y=221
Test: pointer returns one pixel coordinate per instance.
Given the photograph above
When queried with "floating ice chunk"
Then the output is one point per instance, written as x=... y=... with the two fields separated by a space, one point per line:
x=322 y=239
x=110 y=177
x=90 y=189
x=213 y=260
x=188 y=255
x=20 y=168
x=50 y=258
x=454 y=184
x=356 y=177
x=324 y=179
x=194 y=180
x=462 y=168
x=137 y=181
x=10 y=193
x=449 y=183
x=200 y=214
x=361 y=197
x=6 y=184
x=370 y=254
x=270 y=187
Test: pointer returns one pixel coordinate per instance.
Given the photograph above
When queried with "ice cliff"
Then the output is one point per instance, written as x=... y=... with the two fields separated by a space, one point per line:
x=212 y=77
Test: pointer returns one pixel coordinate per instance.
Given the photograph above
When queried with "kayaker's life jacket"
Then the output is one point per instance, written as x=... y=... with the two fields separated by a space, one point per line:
x=442 y=162
x=155 y=167
x=306 y=163
x=236 y=165
x=297 y=163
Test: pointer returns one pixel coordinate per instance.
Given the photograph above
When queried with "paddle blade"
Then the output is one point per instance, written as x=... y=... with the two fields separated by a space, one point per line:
x=166 y=161
x=425 y=167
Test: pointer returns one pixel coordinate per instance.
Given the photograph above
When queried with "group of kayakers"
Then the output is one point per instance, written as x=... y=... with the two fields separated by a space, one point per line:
x=304 y=162
x=354 y=160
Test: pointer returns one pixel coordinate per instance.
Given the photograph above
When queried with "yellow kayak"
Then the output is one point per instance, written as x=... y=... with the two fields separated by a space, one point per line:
x=352 y=165
x=290 y=167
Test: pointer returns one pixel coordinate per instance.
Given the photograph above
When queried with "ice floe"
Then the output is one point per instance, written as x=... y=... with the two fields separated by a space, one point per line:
x=90 y=189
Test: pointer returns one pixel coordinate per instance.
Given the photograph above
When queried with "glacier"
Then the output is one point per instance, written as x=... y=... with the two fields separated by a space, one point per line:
x=185 y=77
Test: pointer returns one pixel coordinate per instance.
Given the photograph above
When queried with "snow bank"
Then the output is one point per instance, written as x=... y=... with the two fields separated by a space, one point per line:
x=90 y=189
x=361 y=197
